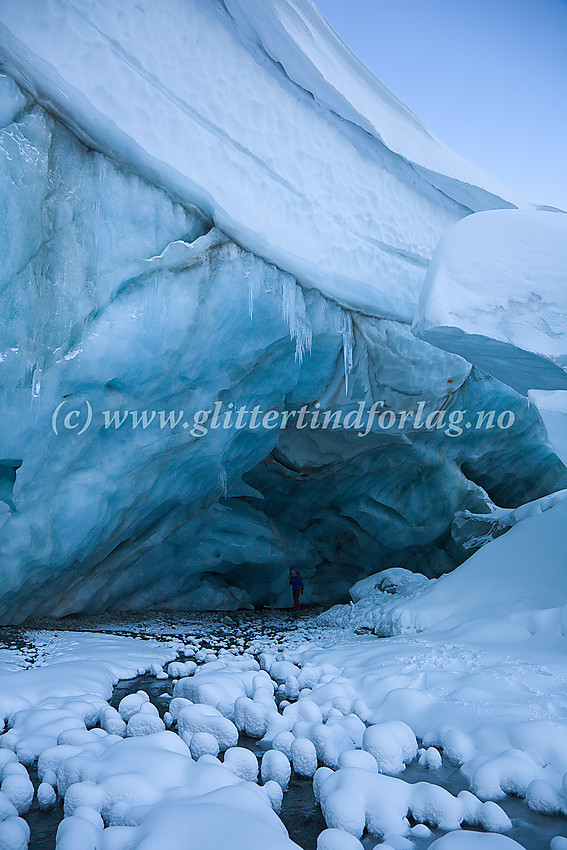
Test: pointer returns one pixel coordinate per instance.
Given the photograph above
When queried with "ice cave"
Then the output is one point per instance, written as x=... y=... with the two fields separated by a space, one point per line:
x=138 y=275
x=261 y=328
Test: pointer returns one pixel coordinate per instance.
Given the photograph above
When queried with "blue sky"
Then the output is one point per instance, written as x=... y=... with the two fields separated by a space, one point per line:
x=488 y=77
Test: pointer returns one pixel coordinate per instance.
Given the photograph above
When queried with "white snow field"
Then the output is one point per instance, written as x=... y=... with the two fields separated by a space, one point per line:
x=216 y=203
x=405 y=739
x=480 y=713
x=496 y=581
x=142 y=785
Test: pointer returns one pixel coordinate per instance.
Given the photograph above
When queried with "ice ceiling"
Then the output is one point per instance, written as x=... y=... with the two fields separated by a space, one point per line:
x=245 y=217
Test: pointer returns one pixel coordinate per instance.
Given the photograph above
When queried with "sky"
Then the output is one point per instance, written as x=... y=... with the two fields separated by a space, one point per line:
x=487 y=77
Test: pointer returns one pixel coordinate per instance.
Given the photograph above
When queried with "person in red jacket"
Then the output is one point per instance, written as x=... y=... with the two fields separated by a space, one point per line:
x=296 y=587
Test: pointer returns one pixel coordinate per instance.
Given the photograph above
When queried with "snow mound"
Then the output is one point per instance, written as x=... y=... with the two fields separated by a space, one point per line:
x=337 y=839
x=495 y=294
x=16 y=786
x=303 y=756
x=395 y=580
x=242 y=762
x=237 y=816
x=202 y=744
x=353 y=799
x=132 y=704
x=201 y=718
x=79 y=672
x=392 y=744
x=145 y=722
x=497 y=581
x=475 y=841
x=275 y=765
x=374 y=597
x=14 y=833
x=221 y=684
x=552 y=407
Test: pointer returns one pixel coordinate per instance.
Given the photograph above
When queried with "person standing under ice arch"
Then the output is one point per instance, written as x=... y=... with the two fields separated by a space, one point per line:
x=296 y=587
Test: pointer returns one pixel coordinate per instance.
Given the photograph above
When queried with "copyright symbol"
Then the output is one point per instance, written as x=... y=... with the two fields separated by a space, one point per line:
x=71 y=420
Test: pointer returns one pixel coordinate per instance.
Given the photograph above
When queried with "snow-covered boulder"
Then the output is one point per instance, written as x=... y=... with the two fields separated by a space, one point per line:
x=393 y=581
x=194 y=719
x=17 y=786
x=337 y=839
x=374 y=596
x=131 y=704
x=304 y=757
x=14 y=833
x=392 y=744
x=275 y=766
x=242 y=762
x=145 y=722
x=475 y=841
x=202 y=743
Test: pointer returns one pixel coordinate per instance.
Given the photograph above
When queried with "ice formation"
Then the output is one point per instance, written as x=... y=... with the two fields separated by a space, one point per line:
x=494 y=292
x=184 y=231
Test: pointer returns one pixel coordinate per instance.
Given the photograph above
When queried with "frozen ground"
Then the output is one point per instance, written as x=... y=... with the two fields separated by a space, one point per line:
x=404 y=740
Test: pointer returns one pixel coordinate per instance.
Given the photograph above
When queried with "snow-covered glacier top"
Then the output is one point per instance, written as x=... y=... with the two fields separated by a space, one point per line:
x=330 y=176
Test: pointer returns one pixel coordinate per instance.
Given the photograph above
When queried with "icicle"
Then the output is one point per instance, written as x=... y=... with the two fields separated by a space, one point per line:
x=252 y=284
x=36 y=382
x=98 y=194
x=303 y=331
x=250 y=294
x=295 y=314
x=288 y=300
x=223 y=481
x=348 y=345
x=36 y=387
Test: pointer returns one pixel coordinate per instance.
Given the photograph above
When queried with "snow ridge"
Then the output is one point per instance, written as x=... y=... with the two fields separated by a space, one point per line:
x=351 y=193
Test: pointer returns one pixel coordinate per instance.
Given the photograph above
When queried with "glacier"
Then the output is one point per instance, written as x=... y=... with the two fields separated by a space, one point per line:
x=246 y=216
